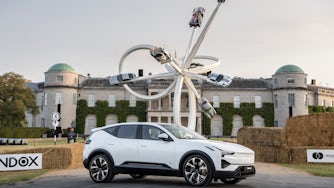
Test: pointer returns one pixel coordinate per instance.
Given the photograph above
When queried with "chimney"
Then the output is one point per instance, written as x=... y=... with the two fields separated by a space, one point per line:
x=140 y=72
x=313 y=82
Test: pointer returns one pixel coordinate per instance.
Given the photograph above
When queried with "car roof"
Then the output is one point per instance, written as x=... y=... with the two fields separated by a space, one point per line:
x=131 y=123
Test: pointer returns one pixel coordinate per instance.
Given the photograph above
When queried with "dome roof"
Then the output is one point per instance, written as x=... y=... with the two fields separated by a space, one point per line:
x=289 y=69
x=61 y=67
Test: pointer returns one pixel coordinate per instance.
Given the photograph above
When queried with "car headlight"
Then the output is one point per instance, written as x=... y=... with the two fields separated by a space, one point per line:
x=227 y=153
x=224 y=152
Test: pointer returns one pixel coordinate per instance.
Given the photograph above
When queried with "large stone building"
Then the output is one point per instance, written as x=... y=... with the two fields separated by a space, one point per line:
x=246 y=102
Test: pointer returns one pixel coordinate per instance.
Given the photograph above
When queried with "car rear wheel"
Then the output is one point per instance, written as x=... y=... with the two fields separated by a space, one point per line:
x=230 y=180
x=137 y=176
x=100 y=169
x=197 y=170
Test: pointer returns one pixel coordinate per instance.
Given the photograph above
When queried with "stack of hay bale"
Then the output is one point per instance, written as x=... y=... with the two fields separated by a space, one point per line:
x=289 y=145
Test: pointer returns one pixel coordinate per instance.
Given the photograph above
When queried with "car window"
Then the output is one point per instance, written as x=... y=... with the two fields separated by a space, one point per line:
x=151 y=132
x=112 y=130
x=219 y=78
x=182 y=132
x=127 y=131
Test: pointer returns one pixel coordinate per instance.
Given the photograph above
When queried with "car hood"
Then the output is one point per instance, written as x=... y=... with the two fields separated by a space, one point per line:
x=225 y=146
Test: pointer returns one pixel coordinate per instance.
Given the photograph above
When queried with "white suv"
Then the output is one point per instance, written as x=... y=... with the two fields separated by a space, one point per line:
x=141 y=149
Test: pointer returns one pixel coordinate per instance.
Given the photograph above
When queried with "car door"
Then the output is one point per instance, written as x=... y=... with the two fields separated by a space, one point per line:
x=124 y=146
x=152 y=150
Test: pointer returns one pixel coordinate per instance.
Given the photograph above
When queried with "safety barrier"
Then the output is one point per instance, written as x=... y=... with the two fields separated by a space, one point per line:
x=13 y=141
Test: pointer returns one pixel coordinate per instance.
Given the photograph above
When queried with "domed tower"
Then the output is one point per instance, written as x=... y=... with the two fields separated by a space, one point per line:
x=60 y=94
x=290 y=94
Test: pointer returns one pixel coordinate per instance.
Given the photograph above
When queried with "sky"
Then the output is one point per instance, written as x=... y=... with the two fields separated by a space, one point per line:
x=252 y=38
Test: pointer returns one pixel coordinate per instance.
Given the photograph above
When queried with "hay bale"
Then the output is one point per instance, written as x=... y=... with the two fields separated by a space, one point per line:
x=57 y=157
x=298 y=155
x=268 y=143
x=311 y=130
x=264 y=136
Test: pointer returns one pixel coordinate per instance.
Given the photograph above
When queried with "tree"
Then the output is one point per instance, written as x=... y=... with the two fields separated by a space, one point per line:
x=15 y=100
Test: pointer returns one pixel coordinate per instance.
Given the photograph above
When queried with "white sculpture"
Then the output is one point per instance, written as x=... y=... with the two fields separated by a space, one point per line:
x=181 y=71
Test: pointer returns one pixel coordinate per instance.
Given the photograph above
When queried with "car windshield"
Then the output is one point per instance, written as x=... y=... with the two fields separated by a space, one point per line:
x=181 y=132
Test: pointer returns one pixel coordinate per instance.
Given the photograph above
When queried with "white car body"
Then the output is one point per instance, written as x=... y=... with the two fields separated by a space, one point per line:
x=220 y=79
x=165 y=154
x=120 y=78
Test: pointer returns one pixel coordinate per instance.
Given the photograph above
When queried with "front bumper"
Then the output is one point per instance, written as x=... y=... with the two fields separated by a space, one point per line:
x=241 y=172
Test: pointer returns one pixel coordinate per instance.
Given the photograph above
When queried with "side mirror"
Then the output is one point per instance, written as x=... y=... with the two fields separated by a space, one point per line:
x=163 y=136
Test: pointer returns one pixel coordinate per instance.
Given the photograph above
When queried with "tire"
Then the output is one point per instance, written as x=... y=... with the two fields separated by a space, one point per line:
x=100 y=169
x=230 y=180
x=197 y=170
x=137 y=176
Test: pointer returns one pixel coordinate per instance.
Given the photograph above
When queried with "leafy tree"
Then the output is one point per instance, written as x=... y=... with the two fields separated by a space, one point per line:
x=15 y=100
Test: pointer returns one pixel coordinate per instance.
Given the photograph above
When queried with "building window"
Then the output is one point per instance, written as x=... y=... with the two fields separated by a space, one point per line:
x=332 y=103
x=91 y=100
x=291 y=99
x=275 y=81
x=45 y=99
x=323 y=102
x=42 y=122
x=60 y=78
x=216 y=101
x=112 y=101
x=275 y=101
x=74 y=98
x=258 y=102
x=275 y=123
x=291 y=80
x=59 y=98
x=133 y=101
x=236 y=101
x=306 y=100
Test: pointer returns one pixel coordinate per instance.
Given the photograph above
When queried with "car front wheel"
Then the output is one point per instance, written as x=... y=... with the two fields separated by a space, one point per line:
x=100 y=169
x=197 y=170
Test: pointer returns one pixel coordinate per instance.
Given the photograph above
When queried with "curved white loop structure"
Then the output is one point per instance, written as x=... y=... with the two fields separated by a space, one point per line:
x=141 y=96
x=181 y=73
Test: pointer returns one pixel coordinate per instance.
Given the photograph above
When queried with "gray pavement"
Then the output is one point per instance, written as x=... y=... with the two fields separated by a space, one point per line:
x=267 y=176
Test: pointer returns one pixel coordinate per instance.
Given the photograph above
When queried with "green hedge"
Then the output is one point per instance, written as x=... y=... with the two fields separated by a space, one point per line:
x=22 y=132
x=246 y=111
x=319 y=109
x=101 y=110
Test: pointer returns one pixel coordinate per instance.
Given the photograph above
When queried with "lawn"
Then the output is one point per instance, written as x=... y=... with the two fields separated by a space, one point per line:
x=326 y=170
x=11 y=177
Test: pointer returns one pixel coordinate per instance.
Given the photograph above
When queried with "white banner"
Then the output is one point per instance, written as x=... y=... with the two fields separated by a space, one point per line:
x=27 y=161
x=320 y=155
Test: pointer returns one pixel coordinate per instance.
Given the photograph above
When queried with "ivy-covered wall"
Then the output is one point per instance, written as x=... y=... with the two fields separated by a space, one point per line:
x=246 y=111
x=101 y=110
x=319 y=109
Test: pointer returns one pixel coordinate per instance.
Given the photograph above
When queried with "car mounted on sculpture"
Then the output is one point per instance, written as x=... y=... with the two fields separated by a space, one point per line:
x=118 y=79
x=141 y=149
x=197 y=18
x=220 y=79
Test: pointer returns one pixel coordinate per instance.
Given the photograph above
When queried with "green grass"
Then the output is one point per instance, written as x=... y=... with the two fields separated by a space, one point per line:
x=326 y=170
x=11 y=177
